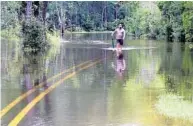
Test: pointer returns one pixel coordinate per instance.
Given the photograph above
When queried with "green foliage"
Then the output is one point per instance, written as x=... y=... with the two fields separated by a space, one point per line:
x=53 y=38
x=34 y=35
x=178 y=18
x=88 y=25
x=112 y=25
x=172 y=20
x=187 y=65
x=89 y=16
x=11 y=34
x=145 y=22
x=10 y=28
x=9 y=17
x=188 y=20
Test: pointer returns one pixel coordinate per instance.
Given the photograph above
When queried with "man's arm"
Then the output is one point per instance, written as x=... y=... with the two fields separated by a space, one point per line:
x=113 y=33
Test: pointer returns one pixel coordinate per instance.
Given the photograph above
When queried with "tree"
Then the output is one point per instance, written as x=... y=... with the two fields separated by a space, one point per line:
x=169 y=19
x=9 y=18
x=187 y=18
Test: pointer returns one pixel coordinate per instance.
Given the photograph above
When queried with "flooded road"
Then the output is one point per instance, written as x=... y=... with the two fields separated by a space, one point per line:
x=76 y=89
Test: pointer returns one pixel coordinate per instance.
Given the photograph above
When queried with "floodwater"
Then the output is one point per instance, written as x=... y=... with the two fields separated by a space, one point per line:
x=155 y=89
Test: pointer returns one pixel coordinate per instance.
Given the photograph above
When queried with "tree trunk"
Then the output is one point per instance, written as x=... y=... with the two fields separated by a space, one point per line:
x=28 y=10
x=45 y=4
x=104 y=9
x=36 y=8
x=116 y=11
x=59 y=19
x=106 y=16
x=62 y=21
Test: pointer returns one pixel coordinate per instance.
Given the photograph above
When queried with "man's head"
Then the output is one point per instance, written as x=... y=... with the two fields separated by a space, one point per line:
x=120 y=26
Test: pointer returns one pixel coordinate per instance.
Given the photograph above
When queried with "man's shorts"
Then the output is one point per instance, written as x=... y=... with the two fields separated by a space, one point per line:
x=120 y=41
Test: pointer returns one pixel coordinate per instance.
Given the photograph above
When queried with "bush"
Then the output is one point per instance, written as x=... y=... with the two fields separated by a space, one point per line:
x=34 y=35
x=112 y=25
x=53 y=38
x=88 y=25
x=11 y=34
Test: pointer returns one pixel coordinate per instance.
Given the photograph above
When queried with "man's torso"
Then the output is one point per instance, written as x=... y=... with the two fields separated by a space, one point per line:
x=119 y=33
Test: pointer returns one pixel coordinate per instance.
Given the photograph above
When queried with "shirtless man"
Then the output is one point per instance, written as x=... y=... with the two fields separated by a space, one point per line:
x=119 y=35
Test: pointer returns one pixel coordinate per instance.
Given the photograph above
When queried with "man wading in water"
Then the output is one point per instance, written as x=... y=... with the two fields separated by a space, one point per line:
x=119 y=35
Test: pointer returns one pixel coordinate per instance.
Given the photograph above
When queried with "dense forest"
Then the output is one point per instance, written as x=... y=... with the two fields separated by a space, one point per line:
x=170 y=20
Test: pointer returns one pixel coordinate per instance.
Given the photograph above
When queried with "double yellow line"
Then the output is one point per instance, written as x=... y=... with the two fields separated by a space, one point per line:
x=25 y=110
x=23 y=96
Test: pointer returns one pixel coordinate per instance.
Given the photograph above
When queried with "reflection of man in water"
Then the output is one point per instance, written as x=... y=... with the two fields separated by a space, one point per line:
x=120 y=62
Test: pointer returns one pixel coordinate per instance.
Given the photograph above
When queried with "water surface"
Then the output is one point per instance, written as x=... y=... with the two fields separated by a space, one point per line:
x=155 y=89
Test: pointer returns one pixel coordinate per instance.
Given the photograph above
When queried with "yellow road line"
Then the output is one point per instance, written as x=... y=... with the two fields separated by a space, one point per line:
x=21 y=97
x=25 y=110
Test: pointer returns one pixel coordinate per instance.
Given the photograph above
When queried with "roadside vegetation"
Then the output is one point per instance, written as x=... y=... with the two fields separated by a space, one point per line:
x=36 y=23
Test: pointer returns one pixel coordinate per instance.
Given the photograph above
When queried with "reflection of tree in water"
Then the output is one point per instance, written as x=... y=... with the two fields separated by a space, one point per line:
x=36 y=63
x=78 y=56
x=16 y=62
x=163 y=72
x=142 y=66
x=171 y=57
x=187 y=65
x=176 y=56
x=85 y=97
x=176 y=66
x=170 y=84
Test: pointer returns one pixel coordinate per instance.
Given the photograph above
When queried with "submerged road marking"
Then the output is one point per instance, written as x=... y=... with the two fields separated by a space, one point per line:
x=21 y=97
x=29 y=106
